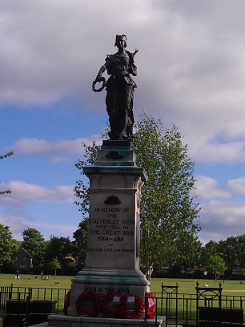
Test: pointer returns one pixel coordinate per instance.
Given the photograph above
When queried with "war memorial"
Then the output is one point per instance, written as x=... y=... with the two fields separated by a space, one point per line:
x=111 y=290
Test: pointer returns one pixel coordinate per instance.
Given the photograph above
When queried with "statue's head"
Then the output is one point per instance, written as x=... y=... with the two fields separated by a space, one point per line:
x=119 y=38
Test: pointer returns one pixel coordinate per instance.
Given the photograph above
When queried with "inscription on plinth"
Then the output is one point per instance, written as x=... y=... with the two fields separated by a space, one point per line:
x=103 y=289
x=112 y=232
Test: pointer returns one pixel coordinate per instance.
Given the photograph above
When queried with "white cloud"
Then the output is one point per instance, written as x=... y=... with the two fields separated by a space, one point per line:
x=69 y=229
x=214 y=152
x=22 y=192
x=191 y=71
x=222 y=219
x=207 y=188
x=18 y=223
x=237 y=185
x=191 y=65
x=15 y=222
x=36 y=147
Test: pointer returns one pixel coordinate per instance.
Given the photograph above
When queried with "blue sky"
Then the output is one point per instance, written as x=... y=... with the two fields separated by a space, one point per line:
x=191 y=72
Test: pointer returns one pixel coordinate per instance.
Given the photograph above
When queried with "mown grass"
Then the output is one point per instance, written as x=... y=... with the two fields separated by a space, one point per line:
x=60 y=284
x=186 y=286
x=233 y=291
x=31 y=281
x=54 y=288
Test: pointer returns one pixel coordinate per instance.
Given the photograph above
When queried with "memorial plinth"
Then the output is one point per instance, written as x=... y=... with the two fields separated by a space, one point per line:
x=112 y=260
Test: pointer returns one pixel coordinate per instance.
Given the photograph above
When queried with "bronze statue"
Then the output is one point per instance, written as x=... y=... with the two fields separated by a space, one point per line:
x=120 y=90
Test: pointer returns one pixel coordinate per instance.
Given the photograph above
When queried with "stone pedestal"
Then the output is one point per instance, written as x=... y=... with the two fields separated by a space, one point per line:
x=112 y=261
x=68 y=321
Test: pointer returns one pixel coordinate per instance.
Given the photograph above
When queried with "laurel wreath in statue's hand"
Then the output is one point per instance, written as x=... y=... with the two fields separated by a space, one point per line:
x=101 y=79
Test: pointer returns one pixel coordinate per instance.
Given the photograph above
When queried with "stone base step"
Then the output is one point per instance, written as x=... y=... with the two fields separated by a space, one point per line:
x=45 y=324
x=60 y=320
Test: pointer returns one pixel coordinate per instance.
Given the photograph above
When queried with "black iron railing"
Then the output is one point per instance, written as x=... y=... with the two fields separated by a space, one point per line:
x=199 y=309
x=10 y=292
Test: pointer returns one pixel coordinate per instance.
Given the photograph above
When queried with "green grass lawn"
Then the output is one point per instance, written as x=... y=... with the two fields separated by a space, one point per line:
x=41 y=289
x=187 y=286
x=31 y=281
x=58 y=291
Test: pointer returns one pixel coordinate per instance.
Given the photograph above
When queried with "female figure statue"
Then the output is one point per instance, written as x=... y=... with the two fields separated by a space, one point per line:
x=120 y=90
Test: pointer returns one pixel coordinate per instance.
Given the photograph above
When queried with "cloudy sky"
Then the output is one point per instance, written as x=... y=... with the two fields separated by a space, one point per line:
x=191 y=72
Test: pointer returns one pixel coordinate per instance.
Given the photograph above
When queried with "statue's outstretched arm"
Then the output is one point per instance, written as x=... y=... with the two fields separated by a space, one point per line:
x=101 y=71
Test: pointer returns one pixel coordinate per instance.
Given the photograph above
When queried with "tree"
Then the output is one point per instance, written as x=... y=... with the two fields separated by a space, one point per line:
x=7 y=245
x=206 y=251
x=188 y=250
x=81 y=190
x=167 y=208
x=35 y=244
x=54 y=265
x=80 y=243
x=230 y=251
x=3 y=157
x=59 y=248
x=215 y=264
x=241 y=250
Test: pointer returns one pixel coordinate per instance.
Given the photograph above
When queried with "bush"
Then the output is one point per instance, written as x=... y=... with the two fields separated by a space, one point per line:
x=9 y=268
x=160 y=274
x=238 y=277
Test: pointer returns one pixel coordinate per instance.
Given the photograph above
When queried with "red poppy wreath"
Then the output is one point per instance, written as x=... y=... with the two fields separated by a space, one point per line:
x=83 y=298
x=67 y=302
x=150 y=305
x=123 y=306
x=105 y=305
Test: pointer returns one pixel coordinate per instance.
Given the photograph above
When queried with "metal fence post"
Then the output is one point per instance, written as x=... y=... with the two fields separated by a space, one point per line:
x=197 y=304
x=169 y=290
x=11 y=290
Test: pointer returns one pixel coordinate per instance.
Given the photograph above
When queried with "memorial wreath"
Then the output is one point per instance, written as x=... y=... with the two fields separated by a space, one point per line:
x=150 y=305
x=67 y=302
x=82 y=298
x=105 y=303
x=122 y=308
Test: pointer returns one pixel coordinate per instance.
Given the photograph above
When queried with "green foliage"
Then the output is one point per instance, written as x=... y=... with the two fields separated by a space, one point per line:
x=59 y=248
x=34 y=243
x=206 y=251
x=54 y=264
x=3 y=157
x=188 y=249
x=168 y=211
x=7 y=244
x=232 y=250
x=80 y=243
x=81 y=190
x=215 y=263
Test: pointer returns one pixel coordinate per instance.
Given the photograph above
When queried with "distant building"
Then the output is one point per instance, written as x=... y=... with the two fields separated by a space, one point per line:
x=238 y=271
x=195 y=268
x=22 y=258
x=70 y=258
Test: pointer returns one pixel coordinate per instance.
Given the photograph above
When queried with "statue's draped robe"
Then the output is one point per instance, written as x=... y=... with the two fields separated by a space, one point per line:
x=120 y=94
